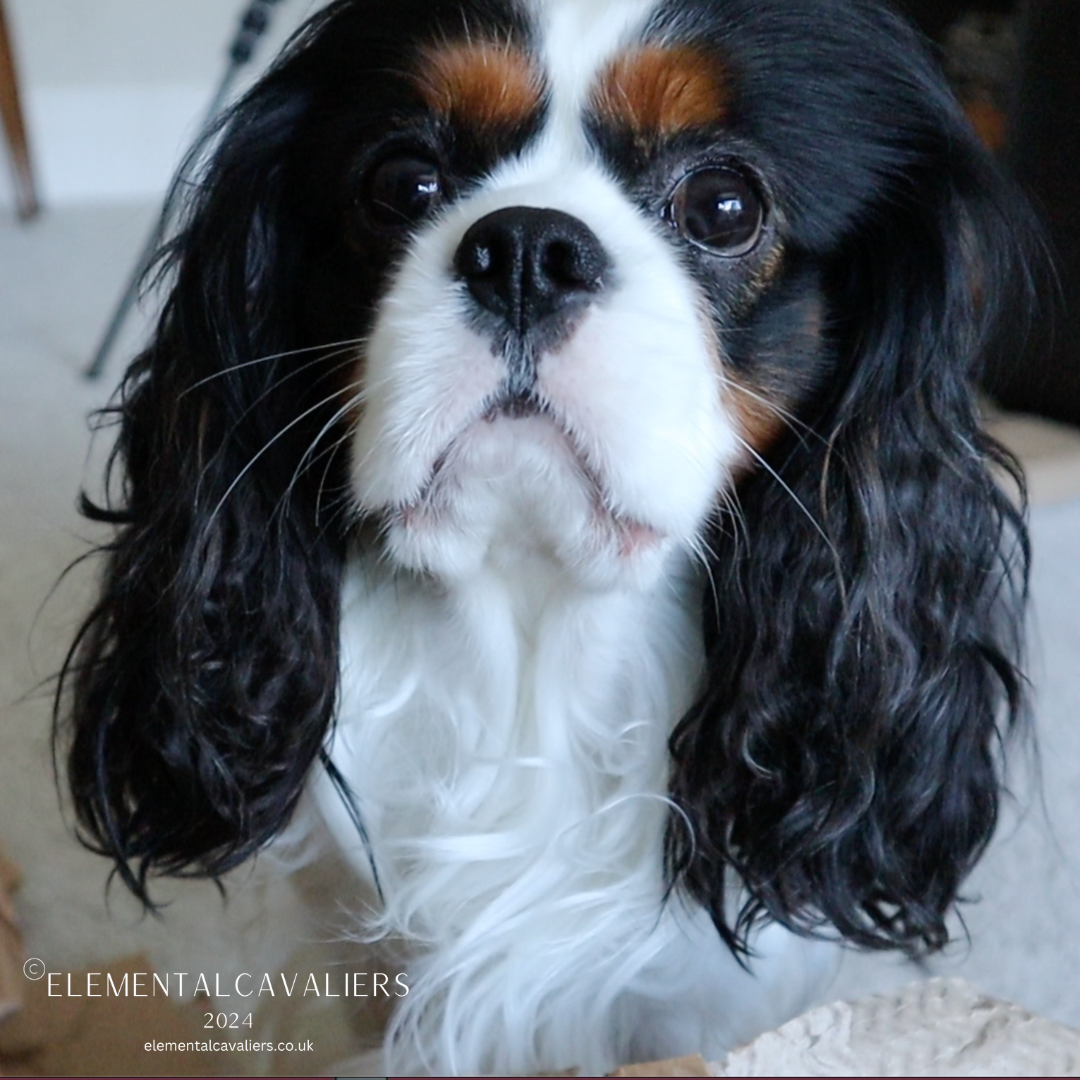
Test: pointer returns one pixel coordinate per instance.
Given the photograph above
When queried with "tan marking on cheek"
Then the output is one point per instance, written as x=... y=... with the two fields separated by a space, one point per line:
x=764 y=407
x=757 y=423
x=480 y=84
x=989 y=122
x=661 y=91
x=765 y=273
x=769 y=270
x=760 y=420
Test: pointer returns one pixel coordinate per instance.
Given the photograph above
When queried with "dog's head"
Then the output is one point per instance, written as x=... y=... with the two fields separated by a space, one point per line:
x=605 y=281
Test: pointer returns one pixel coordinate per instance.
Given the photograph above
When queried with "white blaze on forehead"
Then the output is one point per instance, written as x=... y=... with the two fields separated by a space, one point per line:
x=577 y=41
x=578 y=38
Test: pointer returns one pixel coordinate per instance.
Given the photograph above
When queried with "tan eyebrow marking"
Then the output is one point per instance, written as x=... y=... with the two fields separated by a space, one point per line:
x=481 y=84
x=662 y=90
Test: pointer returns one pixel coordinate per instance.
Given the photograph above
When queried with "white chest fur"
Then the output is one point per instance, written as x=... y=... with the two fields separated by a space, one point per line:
x=506 y=738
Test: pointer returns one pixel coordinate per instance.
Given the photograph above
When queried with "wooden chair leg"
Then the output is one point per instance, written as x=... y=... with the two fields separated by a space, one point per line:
x=11 y=113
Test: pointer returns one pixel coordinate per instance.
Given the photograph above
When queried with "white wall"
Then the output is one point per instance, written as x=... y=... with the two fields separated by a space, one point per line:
x=115 y=90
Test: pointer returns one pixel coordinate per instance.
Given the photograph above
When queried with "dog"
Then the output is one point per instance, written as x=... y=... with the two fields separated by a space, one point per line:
x=558 y=457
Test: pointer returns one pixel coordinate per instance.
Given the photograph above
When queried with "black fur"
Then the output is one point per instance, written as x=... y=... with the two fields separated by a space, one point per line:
x=203 y=684
x=865 y=620
x=863 y=628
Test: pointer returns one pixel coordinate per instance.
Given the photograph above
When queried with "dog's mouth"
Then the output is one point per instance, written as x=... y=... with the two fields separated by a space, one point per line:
x=516 y=406
x=429 y=505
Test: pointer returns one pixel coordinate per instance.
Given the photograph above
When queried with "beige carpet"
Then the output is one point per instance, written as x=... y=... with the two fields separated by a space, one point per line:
x=58 y=279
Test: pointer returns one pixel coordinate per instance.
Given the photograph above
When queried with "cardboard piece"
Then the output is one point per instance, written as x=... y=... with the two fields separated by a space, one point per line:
x=684 y=1066
x=11 y=949
x=944 y=1027
x=694 y=1065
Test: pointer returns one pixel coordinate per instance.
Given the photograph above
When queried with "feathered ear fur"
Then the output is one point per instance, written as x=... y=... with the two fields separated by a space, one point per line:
x=864 y=624
x=203 y=683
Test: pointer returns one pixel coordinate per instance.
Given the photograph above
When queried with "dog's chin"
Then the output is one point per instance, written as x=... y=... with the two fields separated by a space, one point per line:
x=512 y=489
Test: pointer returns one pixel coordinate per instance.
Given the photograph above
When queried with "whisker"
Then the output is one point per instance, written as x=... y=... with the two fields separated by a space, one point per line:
x=798 y=502
x=355 y=400
x=280 y=435
x=281 y=382
x=278 y=383
x=348 y=343
x=701 y=551
x=790 y=419
x=329 y=454
x=731 y=506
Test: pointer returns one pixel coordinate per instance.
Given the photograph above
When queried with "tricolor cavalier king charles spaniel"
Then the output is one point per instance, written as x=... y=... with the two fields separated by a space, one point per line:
x=558 y=456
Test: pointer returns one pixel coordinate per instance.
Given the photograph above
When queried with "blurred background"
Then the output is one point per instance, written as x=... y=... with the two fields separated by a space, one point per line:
x=110 y=92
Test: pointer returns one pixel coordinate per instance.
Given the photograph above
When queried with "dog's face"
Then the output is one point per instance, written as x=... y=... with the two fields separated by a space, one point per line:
x=467 y=280
x=588 y=301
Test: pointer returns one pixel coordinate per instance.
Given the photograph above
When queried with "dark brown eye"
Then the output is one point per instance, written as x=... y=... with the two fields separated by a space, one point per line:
x=401 y=191
x=719 y=210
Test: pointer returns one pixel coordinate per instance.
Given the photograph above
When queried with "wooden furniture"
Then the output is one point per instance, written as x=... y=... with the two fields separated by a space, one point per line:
x=14 y=128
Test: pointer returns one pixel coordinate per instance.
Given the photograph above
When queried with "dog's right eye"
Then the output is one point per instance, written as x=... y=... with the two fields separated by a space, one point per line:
x=401 y=191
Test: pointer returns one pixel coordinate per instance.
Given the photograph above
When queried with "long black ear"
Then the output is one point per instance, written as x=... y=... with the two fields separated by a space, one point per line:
x=864 y=627
x=202 y=685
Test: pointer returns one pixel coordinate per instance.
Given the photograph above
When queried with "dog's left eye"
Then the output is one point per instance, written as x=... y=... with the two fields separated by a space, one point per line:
x=401 y=191
x=719 y=209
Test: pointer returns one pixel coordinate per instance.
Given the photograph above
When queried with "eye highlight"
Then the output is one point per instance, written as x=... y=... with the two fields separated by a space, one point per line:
x=718 y=209
x=401 y=191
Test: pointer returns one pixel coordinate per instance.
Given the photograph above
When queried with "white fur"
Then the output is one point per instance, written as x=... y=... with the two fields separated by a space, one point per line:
x=515 y=661
x=508 y=748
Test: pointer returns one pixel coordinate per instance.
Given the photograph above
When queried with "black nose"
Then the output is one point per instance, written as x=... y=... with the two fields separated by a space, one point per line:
x=528 y=265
